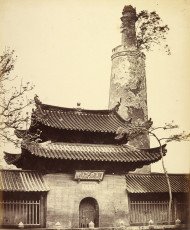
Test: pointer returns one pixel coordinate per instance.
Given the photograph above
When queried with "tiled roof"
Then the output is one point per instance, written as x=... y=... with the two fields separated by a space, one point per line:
x=93 y=152
x=21 y=181
x=151 y=183
x=79 y=119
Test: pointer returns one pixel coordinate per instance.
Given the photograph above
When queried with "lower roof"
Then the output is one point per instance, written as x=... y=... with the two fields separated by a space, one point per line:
x=157 y=183
x=88 y=152
x=22 y=181
x=32 y=181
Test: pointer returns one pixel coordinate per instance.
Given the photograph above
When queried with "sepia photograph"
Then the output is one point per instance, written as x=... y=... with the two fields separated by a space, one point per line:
x=94 y=114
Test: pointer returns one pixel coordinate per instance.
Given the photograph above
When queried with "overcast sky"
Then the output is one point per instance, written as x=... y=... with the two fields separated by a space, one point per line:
x=64 y=48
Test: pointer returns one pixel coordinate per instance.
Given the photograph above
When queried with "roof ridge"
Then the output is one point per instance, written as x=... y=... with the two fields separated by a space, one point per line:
x=47 y=143
x=81 y=144
x=11 y=153
x=20 y=170
x=74 y=109
x=54 y=107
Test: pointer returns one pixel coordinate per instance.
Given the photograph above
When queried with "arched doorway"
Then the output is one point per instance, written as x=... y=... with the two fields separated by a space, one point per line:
x=88 y=211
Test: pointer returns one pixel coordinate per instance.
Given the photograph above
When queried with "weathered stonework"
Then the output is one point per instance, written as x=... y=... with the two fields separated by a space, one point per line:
x=65 y=195
x=128 y=82
x=128 y=27
x=128 y=78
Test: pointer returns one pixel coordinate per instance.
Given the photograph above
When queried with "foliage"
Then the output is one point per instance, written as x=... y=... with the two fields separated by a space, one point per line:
x=151 y=31
x=183 y=136
x=134 y=130
x=13 y=99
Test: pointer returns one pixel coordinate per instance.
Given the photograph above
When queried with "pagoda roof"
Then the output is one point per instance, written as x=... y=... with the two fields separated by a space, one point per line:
x=78 y=119
x=22 y=181
x=157 y=183
x=88 y=152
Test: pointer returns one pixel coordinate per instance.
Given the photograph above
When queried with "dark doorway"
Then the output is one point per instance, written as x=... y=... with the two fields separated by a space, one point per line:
x=88 y=211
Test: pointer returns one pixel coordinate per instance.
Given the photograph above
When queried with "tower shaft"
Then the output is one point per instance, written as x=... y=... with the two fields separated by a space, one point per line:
x=128 y=77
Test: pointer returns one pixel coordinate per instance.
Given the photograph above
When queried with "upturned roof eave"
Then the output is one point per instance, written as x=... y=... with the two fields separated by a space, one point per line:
x=113 y=153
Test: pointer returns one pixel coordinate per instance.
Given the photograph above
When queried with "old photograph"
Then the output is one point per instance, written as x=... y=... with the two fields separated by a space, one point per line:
x=94 y=114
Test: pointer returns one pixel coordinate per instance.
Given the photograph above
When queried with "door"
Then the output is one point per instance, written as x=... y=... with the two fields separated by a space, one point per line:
x=88 y=211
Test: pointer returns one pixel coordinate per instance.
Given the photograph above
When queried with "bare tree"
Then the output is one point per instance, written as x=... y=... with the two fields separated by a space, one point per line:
x=176 y=137
x=135 y=130
x=13 y=99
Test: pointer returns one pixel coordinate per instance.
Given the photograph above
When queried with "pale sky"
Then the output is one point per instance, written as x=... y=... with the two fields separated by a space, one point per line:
x=64 y=48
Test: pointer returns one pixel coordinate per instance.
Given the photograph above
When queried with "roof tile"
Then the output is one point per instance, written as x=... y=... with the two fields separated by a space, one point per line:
x=21 y=181
x=83 y=120
x=93 y=152
x=151 y=183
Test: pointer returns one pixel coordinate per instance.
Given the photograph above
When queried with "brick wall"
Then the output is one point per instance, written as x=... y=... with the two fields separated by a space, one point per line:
x=65 y=195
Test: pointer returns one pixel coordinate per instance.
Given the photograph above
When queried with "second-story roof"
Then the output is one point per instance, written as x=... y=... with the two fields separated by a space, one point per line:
x=78 y=119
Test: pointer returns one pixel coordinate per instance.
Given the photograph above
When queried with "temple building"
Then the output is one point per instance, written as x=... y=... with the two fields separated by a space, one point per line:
x=73 y=169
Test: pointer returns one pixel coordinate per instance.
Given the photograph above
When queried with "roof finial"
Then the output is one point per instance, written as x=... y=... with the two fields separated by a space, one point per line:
x=78 y=109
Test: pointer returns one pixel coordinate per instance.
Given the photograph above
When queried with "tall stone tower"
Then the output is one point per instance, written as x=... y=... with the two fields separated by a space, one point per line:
x=128 y=77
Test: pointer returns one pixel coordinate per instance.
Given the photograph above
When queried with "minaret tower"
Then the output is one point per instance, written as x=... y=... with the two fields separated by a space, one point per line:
x=128 y=77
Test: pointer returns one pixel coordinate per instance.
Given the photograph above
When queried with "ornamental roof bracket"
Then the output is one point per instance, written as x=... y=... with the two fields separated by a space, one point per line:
x=129 y=120
x=37 y=100
x=121 y=135
x=148 y=124
x=38 y=104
